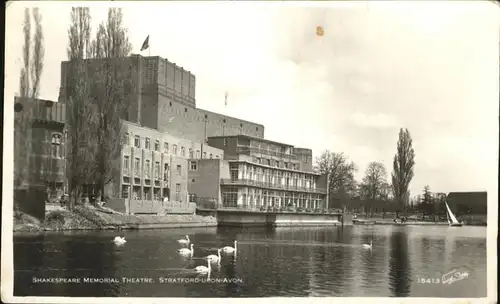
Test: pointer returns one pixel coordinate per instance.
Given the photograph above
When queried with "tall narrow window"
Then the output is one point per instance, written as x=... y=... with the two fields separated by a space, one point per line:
x=137 y=141
x=126 y=160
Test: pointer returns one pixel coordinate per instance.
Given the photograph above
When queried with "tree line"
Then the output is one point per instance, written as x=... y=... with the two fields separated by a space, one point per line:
x=374 y=185
x=96 y=96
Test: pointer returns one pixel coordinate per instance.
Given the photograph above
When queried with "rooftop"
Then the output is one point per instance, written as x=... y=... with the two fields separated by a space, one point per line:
x=253 y=138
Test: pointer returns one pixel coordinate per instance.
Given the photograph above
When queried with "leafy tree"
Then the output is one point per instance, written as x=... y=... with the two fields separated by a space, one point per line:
x=403 y=164
x=374 y=181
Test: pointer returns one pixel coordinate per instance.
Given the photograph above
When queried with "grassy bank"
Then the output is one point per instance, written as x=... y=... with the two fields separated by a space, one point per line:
x=92 y=218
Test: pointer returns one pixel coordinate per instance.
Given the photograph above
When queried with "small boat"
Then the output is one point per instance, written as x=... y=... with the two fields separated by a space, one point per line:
x=452 y=220
x=362 y=222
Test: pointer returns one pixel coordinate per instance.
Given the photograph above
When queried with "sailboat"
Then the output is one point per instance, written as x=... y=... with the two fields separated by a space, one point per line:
x=452 y=220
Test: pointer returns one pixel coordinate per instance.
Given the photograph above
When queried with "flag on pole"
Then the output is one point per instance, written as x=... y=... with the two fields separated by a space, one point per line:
x=225 y=99
x=145 y=44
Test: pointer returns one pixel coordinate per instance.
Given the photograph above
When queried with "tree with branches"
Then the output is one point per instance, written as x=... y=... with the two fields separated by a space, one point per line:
x=402 y=173
x=29 y=88
x=374 y=181
x=80 y=125
x=340 y=171
x=112 y=88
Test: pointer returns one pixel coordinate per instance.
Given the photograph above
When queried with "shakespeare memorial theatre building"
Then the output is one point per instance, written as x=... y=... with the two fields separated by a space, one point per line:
x=153 y=171
x=257 y=173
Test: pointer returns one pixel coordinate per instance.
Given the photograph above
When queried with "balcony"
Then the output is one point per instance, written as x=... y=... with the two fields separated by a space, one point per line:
x=249 y=150
x=249 y=182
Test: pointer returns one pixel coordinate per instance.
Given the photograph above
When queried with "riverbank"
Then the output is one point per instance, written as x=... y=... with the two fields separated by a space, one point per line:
x=472 y=220
x=96 y=218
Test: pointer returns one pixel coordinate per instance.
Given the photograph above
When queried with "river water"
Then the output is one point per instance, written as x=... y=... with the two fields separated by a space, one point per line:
x=286 y=262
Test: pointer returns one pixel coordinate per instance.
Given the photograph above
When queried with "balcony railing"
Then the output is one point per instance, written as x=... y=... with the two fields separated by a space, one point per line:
x=248 y=150
x=249 y=182
x=274 y=209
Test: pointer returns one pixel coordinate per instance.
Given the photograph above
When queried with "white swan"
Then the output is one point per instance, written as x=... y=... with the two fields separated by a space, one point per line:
x=184 y=241
x=185 y=251
x=229 y=249
x=203 y=269
x=214 y=258
x=366 y=246
x=119 y=240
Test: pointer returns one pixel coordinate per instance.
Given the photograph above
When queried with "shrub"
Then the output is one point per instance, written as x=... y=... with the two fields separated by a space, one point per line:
x=56 y=216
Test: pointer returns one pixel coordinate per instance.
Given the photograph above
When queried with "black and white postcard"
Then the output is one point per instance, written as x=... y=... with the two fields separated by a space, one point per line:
x=300 y=151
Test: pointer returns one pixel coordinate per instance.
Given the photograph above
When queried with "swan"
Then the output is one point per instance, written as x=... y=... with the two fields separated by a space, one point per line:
x=203 y=269
x=119 y=240
x=368 y=246
x=229 y=249
x=213 y=257
x=185 y=251
x=184 y=241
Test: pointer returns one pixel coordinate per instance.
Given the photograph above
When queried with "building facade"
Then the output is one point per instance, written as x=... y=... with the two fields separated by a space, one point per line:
x=258 y=173
x=44 y=142
x=154 y=164
x=165 y=100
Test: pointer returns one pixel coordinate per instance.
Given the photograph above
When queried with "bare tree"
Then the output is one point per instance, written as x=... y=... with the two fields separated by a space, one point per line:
x=29 y=87
x=403 y=164
x=80 y=121
x=374 y=181
x=340 y=172
x=112 y=85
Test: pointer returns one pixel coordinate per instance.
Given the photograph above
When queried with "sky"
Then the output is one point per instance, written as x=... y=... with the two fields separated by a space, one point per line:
x=431 y=67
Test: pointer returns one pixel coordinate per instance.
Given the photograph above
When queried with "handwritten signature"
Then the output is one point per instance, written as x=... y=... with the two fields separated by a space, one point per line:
x=454 y=276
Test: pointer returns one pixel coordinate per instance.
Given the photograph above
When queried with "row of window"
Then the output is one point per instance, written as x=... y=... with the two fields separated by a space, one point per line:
x=276 y=163
x=147 y=168
x=271 y=176
x=166 y=147
x=146 y=194
x=231 y=197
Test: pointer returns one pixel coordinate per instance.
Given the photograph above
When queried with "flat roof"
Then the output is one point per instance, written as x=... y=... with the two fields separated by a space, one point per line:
x=253 y=138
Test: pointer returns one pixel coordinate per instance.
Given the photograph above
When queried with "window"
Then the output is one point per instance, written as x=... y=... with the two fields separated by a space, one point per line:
x=165 y=172
x=211 y=156
x=137 y=166
x=56 y=145
x=179 y=169
x=204 y=154
x=190 y=153
x=183 y=152
x=268 y=162
x=174 y=150
x=157 y=145
x=148 y=144
x=157 y=170
x=216 y=156
x=147 y=168
x=126 y=139
x=197 y=153
x=125 y=191
x=126 y=160
x=277 y=163
x=193 y=166
x=165 y=147
x=286 y=165
x=137 y=141
x=178 y=192
x=258 y=160
x=185 y=110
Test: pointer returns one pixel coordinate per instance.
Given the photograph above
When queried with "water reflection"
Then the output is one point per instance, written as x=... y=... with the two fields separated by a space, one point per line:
x=270 y=262
x=399 y=265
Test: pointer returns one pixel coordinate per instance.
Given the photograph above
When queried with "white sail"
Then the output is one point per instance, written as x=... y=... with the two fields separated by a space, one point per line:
x=451 y=215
